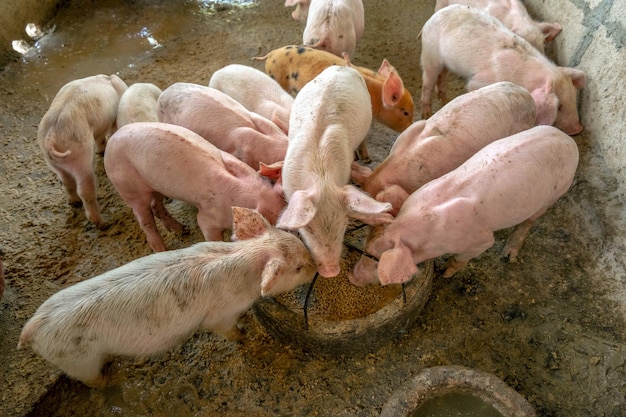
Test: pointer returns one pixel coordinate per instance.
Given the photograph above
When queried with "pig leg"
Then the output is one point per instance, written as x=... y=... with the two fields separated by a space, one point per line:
x=84 y=369
x=69 y=184
x=207 y=222
x=359 y=173
x=101 y=143
x=431 y=67
x=144 y=215
x=227 y=327
x=159 y=210
x=86 y=190
x=442 y=90
x=516 y=238
x=363 y=153
x=459 y=260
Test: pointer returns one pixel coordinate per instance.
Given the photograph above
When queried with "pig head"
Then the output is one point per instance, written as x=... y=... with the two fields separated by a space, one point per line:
x=321 y=218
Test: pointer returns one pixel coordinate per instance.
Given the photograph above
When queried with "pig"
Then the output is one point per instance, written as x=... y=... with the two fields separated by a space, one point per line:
x=510 y=182
x=224 y=122
x=294 y=66
x=514 y=16
x=73 y=129
x=478 y=47
x=158 y=301
x=332 y=25
x=148 y=160
x=330 y=118
x=256 y=91
x=138 y=104
x=430 y=148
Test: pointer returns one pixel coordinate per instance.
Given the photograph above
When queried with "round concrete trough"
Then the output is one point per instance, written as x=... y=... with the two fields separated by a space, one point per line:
x=441 y=381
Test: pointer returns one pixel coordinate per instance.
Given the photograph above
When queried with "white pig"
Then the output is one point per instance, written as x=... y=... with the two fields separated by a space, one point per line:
x=514 y=16
x=224 y=122
x=157 y=302
x=510 y=182
x=330 y=117
x=430 y=148
x=332 y=25
x=73 y=129
x=146 y=161
x=256 y=91
x=477 y=46
x=138 y=104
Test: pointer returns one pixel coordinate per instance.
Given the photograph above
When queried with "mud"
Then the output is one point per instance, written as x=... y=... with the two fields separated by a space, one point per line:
x=548 y=325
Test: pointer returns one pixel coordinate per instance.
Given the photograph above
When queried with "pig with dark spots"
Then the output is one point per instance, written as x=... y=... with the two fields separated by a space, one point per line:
x=256 y=91
x=332 y=25
x=330 y=118
x=514 y=16
x=158 y=301
x=510 y=182
x=431 y=148
x=74 y=128
x=223 y=121
x=294 y=66
x=146 y=161
x=477 y=46
x=138 y=104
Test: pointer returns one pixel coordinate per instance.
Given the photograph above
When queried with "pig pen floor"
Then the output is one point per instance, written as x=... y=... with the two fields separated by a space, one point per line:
x=548 y=325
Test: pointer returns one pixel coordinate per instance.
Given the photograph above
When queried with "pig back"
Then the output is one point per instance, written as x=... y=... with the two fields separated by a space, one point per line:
x=508 y=181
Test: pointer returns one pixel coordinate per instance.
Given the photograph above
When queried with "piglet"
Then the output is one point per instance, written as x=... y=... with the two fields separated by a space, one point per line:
x=138 y=104
x=514 y=16
x=256 y=91
x=332 y=25
x=330 y=118
x=510 y=182
x=158 y=301
x=477 y=46
x=75 y=126
x=224 y=122
x=294 y=66
x=431 y=148
x=146 y=161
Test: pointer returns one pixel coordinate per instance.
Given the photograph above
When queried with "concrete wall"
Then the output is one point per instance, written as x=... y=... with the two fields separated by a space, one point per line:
x=14 y=15
x=594 y=40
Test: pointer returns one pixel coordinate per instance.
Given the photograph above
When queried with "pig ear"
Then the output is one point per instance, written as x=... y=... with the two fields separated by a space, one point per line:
x=359 y=173
x=276 y=120
x=578 y=77
x=300 y=210
x=549 y=30
x=272 y=171
x=248 y=223
x=547 y=104
x=392 y=89
x=396 y=266
x=385 y=68
x=271 y=274
x=363 y=207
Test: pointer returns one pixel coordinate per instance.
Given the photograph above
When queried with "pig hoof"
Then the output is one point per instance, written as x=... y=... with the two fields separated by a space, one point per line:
x=75 y=203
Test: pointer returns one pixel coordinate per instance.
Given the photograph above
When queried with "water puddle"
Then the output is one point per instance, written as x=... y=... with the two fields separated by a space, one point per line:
x=87 y=40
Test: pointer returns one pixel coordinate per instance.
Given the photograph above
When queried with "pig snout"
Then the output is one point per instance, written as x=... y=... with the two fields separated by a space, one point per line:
x=328 y=270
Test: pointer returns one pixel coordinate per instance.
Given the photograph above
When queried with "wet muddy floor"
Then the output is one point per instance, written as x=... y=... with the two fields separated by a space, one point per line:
x=549 y=325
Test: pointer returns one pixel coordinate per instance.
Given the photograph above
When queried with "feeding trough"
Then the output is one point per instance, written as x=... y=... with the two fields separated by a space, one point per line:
x=456 y=391
x=341 y=317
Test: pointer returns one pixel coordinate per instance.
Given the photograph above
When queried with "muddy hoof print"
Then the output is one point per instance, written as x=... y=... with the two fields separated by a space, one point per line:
x=442 y=390
x=343 y=318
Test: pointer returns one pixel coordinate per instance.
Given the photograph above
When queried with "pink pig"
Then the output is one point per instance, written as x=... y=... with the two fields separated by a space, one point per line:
x=514 y=16
x=431 y=148
x=138 y=104
x=510 y=182
x=224 y=122
x=477 y=46
x=330 y=118
x=73 y=129
x=158 y=301
x=146 y=161
x=332 y=25
x=256 y=91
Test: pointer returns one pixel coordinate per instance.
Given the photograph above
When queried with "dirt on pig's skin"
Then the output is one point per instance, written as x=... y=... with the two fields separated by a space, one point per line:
x=548 y=325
